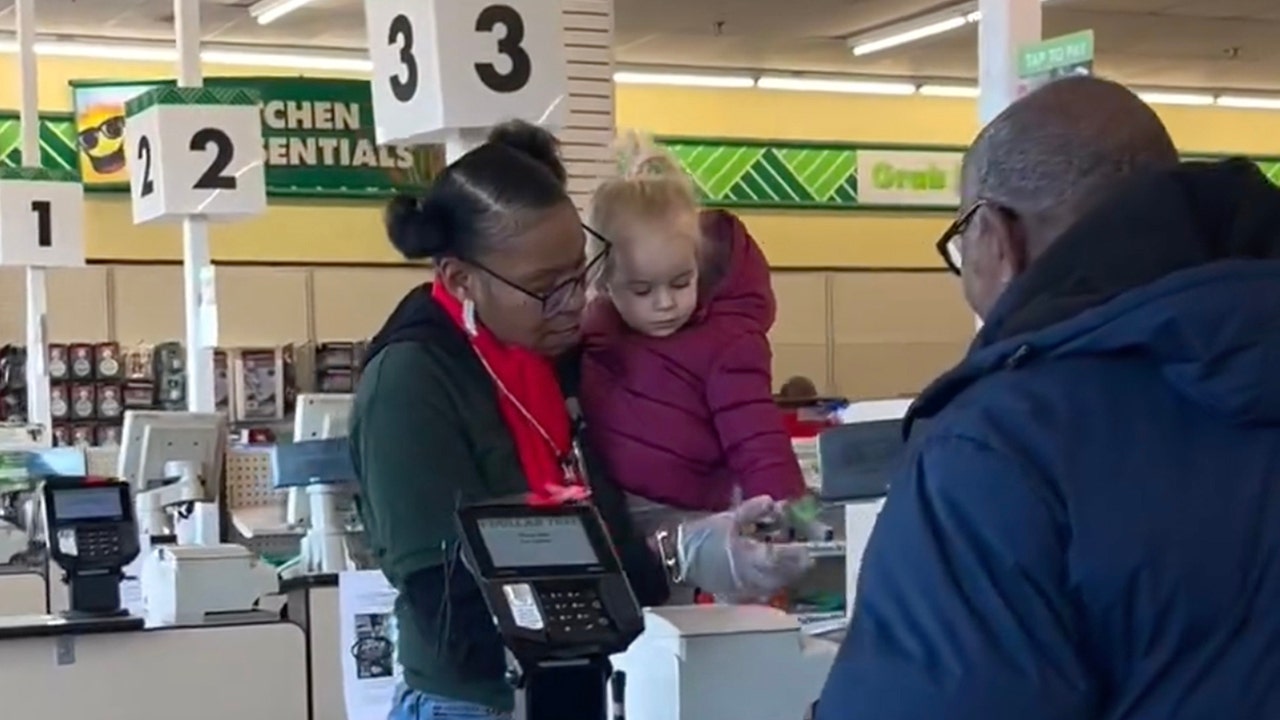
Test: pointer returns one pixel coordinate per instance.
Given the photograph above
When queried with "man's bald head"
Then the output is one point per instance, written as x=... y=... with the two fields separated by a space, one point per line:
x=1050 y=155
x=1040 y=166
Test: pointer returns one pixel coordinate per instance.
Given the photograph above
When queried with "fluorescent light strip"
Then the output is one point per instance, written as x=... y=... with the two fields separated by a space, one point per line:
x=684 y=80
x=287 y=62
x=1248 y=103
x=214 y=56
x=949 y=91
x=937 y=27
x=902 y=38
x=1175 y=98
x=267 y=11
x=858 y=87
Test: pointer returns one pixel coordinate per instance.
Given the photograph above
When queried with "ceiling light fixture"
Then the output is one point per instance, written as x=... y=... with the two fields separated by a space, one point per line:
x=1175 y=98
x=859 y=87
x=949 y=91
x=907 y=36
x=684 y=80
x=269 y=11
x=1248 y=103
x=909 y=31
x=215 y=55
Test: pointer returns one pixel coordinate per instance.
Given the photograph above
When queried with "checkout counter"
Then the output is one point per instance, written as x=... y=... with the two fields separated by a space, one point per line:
x=22 y=591
x=689 y=662
x=98 y=659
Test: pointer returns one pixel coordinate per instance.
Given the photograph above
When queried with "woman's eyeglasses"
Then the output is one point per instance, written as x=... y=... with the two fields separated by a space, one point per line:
x=949 y=244
x=560 y=297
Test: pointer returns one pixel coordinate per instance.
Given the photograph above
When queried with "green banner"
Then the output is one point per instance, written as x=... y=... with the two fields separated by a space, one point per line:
x=57 y=141
x=1056 y=57
x=827 y=176
x=798 y=176
x=318 y=138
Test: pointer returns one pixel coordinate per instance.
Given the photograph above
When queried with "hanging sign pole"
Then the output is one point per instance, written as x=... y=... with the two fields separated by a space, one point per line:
x=42 y=225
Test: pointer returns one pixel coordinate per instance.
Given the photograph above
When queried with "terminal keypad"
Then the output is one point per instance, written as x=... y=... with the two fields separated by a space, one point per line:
x=97 y=543
x=574 y=610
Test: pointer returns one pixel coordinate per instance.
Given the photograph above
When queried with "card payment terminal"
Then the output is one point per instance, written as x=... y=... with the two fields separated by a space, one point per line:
x=92 y=537
x=555 y=586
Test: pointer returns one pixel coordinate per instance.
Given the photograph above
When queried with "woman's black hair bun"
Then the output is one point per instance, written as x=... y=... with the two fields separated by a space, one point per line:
x=535 y=142
x=416 y=227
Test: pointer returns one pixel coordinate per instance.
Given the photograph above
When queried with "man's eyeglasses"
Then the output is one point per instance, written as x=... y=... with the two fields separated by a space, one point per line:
x=561 y=296
x=949 y=244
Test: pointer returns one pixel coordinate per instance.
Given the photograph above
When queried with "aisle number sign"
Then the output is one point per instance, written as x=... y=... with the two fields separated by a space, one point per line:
x=440 y=66
x=1063 y=56
x=41 y=218
x=195 y=152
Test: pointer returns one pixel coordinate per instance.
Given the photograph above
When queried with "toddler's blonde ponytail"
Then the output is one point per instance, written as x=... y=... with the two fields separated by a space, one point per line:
x=650 y=183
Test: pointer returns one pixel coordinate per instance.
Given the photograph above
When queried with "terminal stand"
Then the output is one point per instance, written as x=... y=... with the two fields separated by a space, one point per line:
x=563 y=689
x=95 y=595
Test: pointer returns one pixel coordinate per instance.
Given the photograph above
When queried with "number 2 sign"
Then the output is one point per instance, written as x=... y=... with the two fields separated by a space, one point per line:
x=440 y=66
x=194 y=152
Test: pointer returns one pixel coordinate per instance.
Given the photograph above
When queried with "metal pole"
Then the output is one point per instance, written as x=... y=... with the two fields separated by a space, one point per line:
x=195 y=230
x=37 y=366
x=205 y=523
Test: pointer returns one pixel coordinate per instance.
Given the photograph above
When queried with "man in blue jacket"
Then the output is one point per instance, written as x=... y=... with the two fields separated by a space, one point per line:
x=1089 y=525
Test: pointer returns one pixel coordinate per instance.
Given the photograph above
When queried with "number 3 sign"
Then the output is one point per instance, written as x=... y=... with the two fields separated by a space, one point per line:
x=440 y=66
x=195 y=152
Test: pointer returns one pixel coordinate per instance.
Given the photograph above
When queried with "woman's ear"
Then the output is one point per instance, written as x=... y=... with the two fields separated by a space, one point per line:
x=455 y=276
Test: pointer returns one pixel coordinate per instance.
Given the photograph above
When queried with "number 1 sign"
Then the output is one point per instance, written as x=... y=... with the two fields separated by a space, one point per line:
x=195 y=152
x=440 y=66
x=41 y=218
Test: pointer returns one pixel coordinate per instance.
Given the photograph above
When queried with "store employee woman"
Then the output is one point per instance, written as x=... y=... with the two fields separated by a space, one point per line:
x=463 y=399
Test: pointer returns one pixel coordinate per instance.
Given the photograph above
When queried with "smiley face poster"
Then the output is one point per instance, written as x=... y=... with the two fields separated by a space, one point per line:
x=100 y=131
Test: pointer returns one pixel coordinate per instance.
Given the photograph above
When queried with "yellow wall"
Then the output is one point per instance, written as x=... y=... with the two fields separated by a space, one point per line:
x=332 y=232
x=868 y=239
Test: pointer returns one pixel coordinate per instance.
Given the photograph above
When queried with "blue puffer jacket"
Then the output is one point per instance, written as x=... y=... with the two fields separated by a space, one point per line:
x=1089 y=525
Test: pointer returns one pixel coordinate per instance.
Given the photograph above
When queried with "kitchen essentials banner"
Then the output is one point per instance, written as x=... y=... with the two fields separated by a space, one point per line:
x=318 y=138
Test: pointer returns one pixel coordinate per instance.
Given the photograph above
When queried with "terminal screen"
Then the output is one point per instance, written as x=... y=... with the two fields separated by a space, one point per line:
x=91 y=503
x=518 y=542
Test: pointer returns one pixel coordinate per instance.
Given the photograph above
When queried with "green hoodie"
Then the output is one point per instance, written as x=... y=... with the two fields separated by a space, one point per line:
x=427 y=437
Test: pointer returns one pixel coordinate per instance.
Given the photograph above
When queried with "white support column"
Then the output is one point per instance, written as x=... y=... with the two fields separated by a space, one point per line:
x=1006 y=26
x=203 y=526
x=195 y=230
x=37 y=368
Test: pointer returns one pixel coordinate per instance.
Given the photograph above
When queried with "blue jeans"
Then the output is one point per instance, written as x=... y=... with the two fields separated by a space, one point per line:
x=413 y=705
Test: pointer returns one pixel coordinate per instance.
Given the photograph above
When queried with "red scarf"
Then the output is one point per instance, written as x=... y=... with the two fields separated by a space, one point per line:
x=530 y=382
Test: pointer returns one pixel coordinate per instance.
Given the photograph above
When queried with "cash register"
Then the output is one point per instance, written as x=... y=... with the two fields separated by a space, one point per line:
x=92 y=536
x=561 y=602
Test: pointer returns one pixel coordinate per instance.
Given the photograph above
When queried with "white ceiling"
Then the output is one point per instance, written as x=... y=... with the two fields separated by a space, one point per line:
x=1216 y=44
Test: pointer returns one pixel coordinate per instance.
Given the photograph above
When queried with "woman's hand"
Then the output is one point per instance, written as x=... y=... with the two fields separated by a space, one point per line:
x=719 y=555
